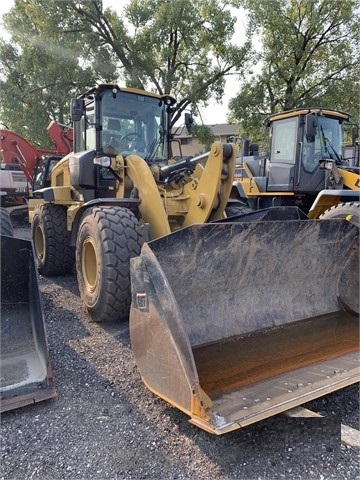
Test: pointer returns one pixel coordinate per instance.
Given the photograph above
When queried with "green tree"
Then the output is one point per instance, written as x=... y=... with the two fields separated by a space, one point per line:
x=182 y=47
x=309 y=57
x=43 y=65
x=205 y=136
x=60 y=48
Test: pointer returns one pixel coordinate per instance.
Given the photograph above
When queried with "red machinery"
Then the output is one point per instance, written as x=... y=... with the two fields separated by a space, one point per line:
x=20 y=159
x=16 y=149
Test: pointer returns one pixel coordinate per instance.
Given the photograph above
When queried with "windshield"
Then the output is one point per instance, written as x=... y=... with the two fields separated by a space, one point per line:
x=325 y=144
x=133 y=124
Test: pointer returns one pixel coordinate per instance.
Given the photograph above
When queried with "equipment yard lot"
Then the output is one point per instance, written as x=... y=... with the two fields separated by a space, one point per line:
x=105 y=424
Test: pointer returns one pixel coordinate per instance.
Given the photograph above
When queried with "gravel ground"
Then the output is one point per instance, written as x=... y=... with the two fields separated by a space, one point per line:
x=104 y=424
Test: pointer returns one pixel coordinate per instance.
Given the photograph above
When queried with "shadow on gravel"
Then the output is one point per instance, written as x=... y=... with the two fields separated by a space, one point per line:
x=278 y=447
x=344 y=405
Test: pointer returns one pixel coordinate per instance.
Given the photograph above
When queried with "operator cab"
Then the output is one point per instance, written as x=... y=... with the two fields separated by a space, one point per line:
x=111 y=122
x=304 y=143
x=118 y=121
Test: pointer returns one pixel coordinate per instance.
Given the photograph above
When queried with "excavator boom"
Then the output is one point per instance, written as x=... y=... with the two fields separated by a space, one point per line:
x=17 y=149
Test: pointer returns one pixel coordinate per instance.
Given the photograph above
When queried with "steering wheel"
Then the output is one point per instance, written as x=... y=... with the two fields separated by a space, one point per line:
x=318 y=156
x=133 y=141
x=128 y=136
x=132 y=134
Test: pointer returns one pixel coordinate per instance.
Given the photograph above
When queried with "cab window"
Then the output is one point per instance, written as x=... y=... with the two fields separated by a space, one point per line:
x=284 y=140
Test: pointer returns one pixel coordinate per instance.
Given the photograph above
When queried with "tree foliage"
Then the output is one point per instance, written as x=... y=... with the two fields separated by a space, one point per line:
x=309 y=57
x=42 y=66
x=205 y=136
x=60 y=48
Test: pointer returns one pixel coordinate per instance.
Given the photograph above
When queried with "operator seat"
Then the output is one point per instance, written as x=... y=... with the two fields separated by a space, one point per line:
x=112 y=132
x=114 y=124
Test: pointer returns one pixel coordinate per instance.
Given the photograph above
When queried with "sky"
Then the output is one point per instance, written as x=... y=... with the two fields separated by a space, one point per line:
x=215 y=113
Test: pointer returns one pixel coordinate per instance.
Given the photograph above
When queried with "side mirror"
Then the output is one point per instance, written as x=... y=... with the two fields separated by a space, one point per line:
x=189 y=122
x=77 y=109
x=311 y=127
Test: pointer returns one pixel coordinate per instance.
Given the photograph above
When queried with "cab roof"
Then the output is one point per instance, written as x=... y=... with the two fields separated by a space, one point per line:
x=296 y=112
x=109 y=86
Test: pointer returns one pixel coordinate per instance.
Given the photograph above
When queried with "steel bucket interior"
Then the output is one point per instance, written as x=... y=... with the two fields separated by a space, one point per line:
x=246 y=318
x=25 y=367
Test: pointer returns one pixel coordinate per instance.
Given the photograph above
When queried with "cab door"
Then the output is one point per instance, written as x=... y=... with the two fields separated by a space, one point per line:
x=284 y=151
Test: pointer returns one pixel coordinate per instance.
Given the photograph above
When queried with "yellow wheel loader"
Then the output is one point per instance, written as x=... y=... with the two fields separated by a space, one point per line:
x=307 y=166
x=120 y=187
x=25 y=370
x=230 y=321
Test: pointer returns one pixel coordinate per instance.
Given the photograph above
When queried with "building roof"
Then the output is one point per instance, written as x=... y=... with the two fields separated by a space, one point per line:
x=224 y=129
x=218 y=129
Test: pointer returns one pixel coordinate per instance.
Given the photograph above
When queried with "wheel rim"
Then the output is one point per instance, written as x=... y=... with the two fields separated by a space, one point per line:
x=89 y=264
x=39 y=243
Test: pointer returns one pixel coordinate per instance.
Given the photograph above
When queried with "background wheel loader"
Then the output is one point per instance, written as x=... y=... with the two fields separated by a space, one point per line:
x=120 y=187
x=308 y=166
x=25 y=370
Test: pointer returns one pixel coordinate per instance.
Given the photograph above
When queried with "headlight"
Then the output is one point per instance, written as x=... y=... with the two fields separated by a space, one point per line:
x=102 y=161
x=329 y=164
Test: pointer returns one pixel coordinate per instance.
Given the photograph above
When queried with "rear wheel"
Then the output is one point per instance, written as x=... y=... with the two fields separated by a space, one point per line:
x=349 y=211
x=51 y=239
x=108 y=238
x=5 y=223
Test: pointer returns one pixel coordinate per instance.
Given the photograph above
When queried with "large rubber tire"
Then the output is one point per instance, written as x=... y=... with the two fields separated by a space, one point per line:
x=108 y=238
x=5 y=223
x=231 y=211
x=349 y=211
x=51 y=239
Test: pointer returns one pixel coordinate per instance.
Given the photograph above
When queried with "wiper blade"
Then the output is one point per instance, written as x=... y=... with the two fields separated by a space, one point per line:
x=328 y=143
x=152 y=150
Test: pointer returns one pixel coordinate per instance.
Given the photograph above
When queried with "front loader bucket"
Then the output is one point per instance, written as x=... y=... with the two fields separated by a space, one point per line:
x=25 y=368
x=235 y=322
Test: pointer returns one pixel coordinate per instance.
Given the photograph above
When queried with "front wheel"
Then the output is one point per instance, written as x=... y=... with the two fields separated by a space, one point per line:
x=349 y=211
x=108 y=238
x=51 y=239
